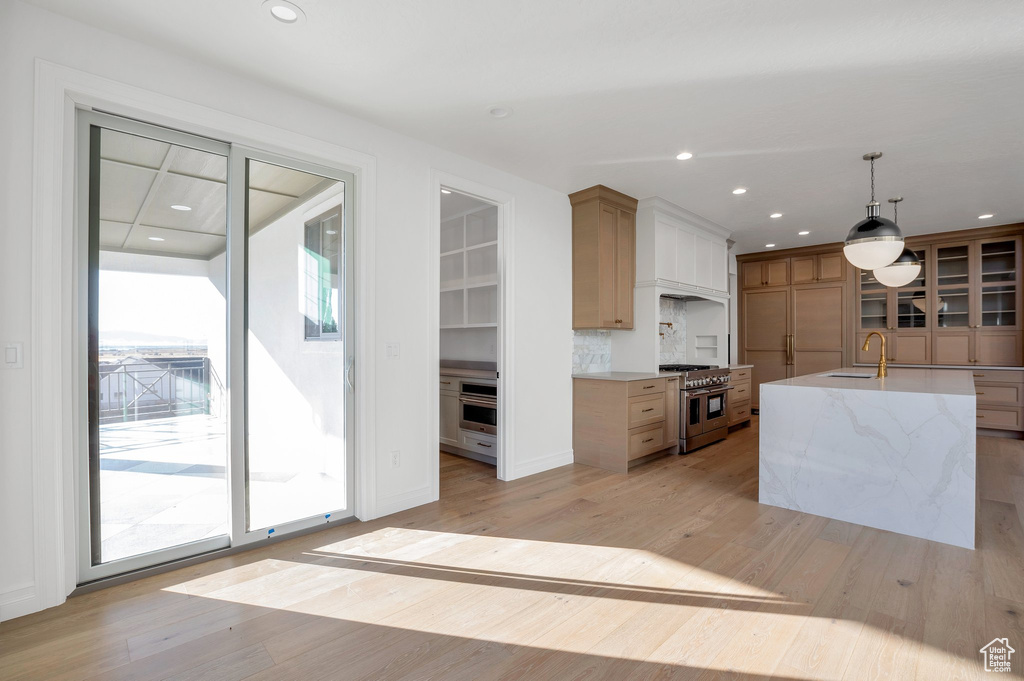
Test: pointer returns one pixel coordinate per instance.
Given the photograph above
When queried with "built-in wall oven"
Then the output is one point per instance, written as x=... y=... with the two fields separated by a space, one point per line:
x=478 y=406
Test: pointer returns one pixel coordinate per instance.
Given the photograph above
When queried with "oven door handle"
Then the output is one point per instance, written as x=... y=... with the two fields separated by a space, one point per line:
x=479 y=403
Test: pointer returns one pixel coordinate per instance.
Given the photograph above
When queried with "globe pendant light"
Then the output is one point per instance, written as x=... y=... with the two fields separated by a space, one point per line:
x=906 y=267
x=874 y=241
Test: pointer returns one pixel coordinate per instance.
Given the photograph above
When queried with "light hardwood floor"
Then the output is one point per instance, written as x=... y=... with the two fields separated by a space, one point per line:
x=673 y=571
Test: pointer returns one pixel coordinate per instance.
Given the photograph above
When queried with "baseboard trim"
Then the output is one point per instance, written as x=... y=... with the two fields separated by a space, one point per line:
x=18 y=602
x=404 y=501
x=544 y=463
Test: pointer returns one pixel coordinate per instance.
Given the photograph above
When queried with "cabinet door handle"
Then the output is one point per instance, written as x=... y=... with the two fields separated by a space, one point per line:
x=981 y=416
x=979 y=375
x=979 y=393
x=618 y=321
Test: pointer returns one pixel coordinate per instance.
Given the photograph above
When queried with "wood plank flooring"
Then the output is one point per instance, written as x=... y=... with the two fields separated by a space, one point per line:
x=671 y=572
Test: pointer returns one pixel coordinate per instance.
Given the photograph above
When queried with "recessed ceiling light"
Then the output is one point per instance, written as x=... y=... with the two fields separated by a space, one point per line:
x=500 y=111
x=179 y=206
x=804 y=233
x=284 y=11
x=155 y=238
x=739 y=190
x=769 y=245
x=446 y=191
x=986 y=216
x=773 y=215
x=685 y=156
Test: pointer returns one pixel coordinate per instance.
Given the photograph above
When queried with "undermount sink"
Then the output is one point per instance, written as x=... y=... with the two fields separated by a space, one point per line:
x=850 y=375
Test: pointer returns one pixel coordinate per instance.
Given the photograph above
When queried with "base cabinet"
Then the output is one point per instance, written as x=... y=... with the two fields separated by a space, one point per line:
x=1000 y=399
x=618 y=424
x=739 y=396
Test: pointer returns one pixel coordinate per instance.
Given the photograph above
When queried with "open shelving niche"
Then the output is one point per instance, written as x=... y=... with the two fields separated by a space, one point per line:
x=469 y=270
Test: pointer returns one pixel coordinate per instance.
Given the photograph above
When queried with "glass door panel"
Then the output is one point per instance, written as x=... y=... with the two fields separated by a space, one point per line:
x=999 y=306
x=953 y=308
x=156 y=221
x=998 y=262
x=952 y=265
x=911 y=309
x=299 y=318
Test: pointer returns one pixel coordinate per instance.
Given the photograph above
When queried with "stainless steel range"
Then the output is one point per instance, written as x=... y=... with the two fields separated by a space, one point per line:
x=703 y=404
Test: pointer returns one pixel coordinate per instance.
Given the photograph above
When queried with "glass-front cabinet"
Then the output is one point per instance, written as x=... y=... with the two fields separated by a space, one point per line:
x=963 y=309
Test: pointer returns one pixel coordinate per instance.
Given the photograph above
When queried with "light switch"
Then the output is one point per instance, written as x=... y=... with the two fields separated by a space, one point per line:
x=14 y=356
x=392 y=350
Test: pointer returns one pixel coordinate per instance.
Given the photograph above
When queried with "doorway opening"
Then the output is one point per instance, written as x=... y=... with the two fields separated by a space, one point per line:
x=470 y=331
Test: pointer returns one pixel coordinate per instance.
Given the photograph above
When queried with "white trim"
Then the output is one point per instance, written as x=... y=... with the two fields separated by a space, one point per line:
x=55 y=337
x=677 y=287
x=506 y=326
x=544 y=463
x=18 y=601
x=394 y=503
x=679 y=213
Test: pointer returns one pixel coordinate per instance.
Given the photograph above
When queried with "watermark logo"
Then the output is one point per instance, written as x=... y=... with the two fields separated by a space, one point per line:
x=997 y=654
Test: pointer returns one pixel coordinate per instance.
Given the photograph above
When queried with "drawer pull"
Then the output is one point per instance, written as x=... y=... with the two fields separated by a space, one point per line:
x=979 y=393
x=981 y=416
x=650 y=439
x=483 y=445
x=648 y=387
x=446 y=382
x=644 y=411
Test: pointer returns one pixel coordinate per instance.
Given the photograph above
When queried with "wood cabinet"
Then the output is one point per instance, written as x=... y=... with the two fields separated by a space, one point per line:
x=759 y=274
x=1000 y=399
x=808 y=269
x=963 y=309
x=739 y=396
x=618 y=424
x=672 y=410
x=791 y=330
x=603 y=258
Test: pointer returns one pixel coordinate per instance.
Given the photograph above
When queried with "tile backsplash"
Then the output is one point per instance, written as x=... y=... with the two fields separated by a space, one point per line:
x=673 y=343
x=591 y=351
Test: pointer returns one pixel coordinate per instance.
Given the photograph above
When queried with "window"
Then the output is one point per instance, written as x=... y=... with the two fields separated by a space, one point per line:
x=323 y=258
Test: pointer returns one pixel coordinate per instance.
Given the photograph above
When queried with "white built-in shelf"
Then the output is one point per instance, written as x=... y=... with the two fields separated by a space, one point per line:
x=469 y=270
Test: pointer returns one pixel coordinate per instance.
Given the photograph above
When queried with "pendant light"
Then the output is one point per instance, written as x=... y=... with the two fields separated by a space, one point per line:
x=906 y=267
x=873 y=242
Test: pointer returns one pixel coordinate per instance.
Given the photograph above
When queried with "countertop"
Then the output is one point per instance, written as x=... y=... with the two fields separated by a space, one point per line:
x=466 y=369
x=627 y=375
x=926 y=381
x=734 y=367
x=944 y=366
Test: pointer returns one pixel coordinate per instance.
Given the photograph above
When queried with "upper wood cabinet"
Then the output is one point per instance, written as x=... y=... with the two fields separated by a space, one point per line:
x=966 y=300
x=603 y=258
x=679 y=249
x=765 y=273
x=810 y=269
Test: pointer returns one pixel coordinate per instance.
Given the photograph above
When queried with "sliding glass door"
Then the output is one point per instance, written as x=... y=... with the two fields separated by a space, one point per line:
x=299 y=319
x=216 y=315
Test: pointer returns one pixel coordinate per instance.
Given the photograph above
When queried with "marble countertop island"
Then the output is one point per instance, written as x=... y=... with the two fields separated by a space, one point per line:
x=896 y=453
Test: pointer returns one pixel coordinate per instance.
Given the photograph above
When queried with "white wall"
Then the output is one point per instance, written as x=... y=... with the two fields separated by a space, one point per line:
x=473 y=345
x=542 y=249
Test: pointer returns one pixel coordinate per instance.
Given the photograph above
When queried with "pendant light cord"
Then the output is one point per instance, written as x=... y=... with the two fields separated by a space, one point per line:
x=872 y=180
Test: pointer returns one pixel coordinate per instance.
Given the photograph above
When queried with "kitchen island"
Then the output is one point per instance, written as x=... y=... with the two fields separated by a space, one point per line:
x=896 y=453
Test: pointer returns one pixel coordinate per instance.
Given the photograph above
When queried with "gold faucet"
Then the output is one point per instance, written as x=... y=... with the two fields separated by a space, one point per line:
x=882 y=372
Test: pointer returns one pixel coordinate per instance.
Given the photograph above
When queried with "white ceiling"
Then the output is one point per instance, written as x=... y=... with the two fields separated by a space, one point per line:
x=141 y=178
x=779 y=96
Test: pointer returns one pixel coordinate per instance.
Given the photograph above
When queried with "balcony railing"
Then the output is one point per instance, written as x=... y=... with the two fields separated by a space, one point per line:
x=158 y=387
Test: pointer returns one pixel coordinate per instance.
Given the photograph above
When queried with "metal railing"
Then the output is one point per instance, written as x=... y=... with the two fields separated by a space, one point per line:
x=158 y=387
